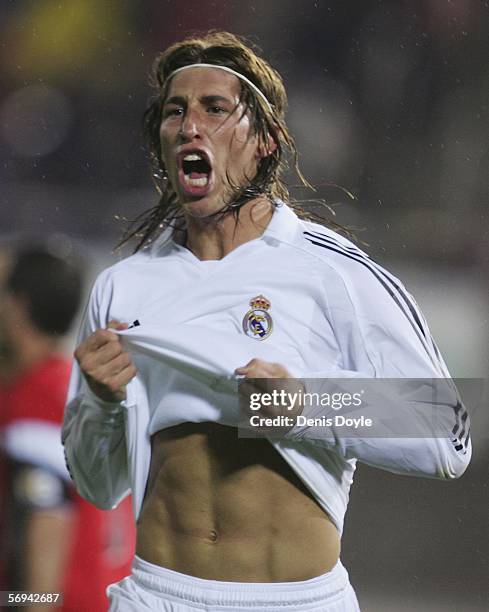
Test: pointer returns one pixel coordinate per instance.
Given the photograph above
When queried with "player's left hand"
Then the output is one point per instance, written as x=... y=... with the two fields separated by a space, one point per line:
x=272 y=380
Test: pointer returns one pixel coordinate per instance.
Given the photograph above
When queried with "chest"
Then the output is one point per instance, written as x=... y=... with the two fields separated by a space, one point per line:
x=263 y=298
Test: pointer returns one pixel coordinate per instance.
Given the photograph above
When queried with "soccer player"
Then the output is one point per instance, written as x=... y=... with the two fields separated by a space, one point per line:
x=52 y=540
x=229 y=283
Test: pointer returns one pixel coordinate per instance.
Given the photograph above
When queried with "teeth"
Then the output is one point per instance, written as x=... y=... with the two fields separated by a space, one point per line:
x=196 y=182
x=192 y=157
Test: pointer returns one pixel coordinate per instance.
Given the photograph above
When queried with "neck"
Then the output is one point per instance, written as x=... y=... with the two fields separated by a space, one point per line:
x=214 y=239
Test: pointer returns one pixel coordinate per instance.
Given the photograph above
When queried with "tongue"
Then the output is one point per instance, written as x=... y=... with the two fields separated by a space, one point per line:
x=197 y=175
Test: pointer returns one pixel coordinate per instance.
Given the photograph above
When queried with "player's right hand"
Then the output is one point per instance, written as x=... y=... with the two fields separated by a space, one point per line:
x=107 y=367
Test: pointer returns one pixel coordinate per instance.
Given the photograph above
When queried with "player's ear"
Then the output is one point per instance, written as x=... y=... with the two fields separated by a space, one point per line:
x=266 y=147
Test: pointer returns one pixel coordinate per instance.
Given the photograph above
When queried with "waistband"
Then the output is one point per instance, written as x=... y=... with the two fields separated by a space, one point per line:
x=186 y=588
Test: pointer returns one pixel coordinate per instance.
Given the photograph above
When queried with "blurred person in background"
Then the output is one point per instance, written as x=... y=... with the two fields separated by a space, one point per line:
x=229 y=284
x=52 y=540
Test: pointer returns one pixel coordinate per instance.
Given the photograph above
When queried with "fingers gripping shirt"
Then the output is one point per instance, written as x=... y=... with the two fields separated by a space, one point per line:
x=331 y=316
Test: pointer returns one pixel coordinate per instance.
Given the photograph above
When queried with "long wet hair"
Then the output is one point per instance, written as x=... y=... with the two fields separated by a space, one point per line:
x=220 y=49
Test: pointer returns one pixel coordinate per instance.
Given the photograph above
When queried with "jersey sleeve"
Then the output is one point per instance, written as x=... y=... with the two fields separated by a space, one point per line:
x=419 y=425
x=93 y=430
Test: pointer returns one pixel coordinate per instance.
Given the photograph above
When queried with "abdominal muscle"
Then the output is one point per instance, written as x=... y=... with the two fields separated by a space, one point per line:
x=225 y=508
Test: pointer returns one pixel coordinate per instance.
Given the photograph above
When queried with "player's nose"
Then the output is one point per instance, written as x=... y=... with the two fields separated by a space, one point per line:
x=191 y=126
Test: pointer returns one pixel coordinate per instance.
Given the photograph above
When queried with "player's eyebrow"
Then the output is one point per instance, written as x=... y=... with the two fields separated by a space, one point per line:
x=206 y=100
x=179 y=100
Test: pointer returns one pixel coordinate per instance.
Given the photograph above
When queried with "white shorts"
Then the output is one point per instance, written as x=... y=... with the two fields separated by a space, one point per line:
x=151 y=587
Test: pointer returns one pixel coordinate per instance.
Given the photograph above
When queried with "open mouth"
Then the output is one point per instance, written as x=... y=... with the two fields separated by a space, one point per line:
x=195 y=173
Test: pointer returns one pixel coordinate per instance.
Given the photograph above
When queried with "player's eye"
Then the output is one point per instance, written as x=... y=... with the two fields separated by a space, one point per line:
x=216 y=110
x=173 y=111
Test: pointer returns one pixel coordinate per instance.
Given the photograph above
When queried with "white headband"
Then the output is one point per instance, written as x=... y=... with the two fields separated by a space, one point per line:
x=231 y=71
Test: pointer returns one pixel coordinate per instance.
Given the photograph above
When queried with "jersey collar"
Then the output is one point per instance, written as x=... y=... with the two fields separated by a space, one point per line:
x=283 y=225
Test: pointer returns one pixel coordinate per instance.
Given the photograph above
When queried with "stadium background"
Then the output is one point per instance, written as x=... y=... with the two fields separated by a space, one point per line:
x=388 y=100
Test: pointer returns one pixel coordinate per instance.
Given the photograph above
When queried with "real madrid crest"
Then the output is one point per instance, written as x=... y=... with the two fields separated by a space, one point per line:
x=257 y=322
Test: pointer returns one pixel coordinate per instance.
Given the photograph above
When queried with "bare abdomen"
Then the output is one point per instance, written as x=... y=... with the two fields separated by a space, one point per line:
x=223 y=508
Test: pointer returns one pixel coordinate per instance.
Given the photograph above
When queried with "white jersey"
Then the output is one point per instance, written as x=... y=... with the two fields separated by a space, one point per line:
x=299 y=295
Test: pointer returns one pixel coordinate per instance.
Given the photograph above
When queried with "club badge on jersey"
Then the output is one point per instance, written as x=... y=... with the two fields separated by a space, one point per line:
x=257 y=322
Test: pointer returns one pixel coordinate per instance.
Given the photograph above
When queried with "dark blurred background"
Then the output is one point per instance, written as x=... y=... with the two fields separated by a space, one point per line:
x=389 y=101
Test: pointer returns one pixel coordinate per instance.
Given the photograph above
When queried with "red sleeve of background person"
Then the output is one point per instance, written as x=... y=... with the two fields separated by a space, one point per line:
x=103 y=541
x=40 y=393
